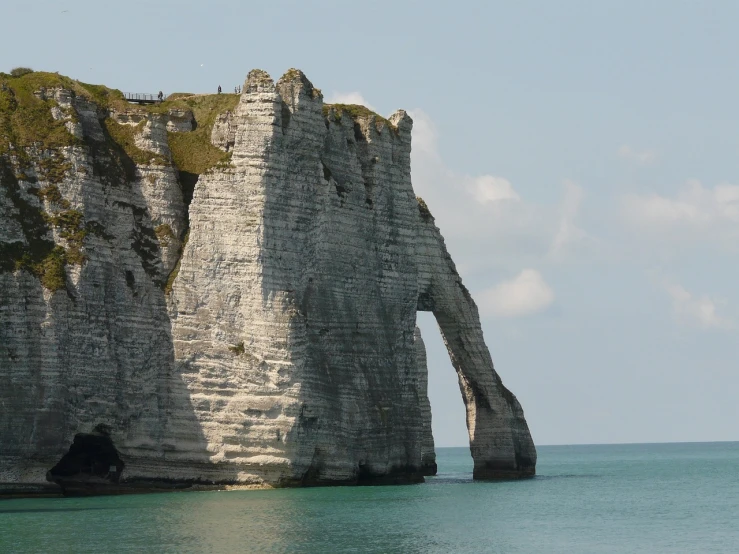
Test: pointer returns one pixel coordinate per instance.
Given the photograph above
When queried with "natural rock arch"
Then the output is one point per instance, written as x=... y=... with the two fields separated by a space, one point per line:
x=329 y=257
x=281 y=349
x=500 y=441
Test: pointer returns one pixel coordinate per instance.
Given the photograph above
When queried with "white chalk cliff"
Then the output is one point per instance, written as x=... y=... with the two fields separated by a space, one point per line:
x=261 y=332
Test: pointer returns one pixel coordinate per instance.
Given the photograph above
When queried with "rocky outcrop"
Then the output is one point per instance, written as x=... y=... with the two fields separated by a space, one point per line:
x=180 y=120
x=261 y=333
x=223 y=135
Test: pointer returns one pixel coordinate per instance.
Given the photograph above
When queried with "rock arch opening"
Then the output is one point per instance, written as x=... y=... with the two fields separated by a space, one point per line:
x=447 y=409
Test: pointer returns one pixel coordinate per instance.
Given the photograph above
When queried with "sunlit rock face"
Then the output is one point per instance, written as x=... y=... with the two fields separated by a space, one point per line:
x=261 y=333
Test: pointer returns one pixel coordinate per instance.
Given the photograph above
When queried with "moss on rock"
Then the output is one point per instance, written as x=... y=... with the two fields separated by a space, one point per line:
x=356 y=112
x=193 y=152
x=164 y=233
x=38 y=253
x=423 y=209
x=125 y=137
x=25 y=113
x=34 y=147
x=176 y=270
x=238 y=349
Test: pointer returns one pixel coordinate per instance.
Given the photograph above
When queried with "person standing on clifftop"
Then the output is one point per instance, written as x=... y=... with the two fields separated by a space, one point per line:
x=219 y=89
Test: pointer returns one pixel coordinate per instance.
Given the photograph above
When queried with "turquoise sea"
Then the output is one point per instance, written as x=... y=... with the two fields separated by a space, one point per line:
x=650 y=498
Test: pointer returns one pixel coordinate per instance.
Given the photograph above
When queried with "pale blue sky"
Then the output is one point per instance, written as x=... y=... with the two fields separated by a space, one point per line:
x=580 y=158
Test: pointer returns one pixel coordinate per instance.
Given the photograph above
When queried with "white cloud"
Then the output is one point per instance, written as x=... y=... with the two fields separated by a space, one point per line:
x=349 y=98
x=568 y=233
x=694 y=216
x=488 y=214
x=642 y=157
x=488 y=188
x=425 y=137
x=694 y=205
x=699 y=311
x=525 y=294
x=658 y=210
x=433 y=179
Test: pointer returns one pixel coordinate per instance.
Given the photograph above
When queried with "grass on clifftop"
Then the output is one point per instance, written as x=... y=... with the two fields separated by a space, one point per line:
x=29 y=135
x=104 y=97
x=25 y=118
x=355 y=111
x=179 y=96
x=192 y=151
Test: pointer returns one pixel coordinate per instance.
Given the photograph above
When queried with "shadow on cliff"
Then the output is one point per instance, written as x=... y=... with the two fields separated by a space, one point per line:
x=139 y=443
x=32 y=417
x=344 y=345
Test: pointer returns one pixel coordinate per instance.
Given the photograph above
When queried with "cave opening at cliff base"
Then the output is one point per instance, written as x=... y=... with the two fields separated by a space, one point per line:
x=91 y=461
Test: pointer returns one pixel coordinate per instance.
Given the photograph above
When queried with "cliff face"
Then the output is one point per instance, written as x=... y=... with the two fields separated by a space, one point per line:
x=88 y=236
x=224 y=290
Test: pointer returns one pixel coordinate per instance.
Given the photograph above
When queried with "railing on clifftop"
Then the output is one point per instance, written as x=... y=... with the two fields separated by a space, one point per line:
x=143 y=98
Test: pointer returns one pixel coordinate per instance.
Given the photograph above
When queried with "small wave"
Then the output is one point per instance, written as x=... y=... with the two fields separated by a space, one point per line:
x=447 y=479
x=47 y=510
x=566 y=476
x=467 y=478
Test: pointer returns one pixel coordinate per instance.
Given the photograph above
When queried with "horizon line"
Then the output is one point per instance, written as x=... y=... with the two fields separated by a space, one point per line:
x=617 y=443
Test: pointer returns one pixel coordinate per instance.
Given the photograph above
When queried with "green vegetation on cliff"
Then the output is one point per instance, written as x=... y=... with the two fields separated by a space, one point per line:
x=39 y=254
x=105 y=98
x=34 y=162
x=26 y=119
x=164 y=233
x=125 y=137
x=355 y=112
x=193 y=151
x=176 y=270
x=423 y=209
x=20 y=71
x=238 y=349
x=71 y=226
x=26 y=105
x=31 y=150
x=25 y=113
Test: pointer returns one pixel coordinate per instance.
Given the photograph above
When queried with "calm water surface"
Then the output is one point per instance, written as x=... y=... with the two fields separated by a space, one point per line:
x=614 y=498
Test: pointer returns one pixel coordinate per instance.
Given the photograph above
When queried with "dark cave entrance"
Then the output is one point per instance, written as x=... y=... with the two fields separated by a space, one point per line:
x=91 y=462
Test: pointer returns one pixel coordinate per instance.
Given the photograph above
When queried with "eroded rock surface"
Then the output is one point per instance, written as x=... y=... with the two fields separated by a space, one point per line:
x=263 y=332
x=84 y=328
